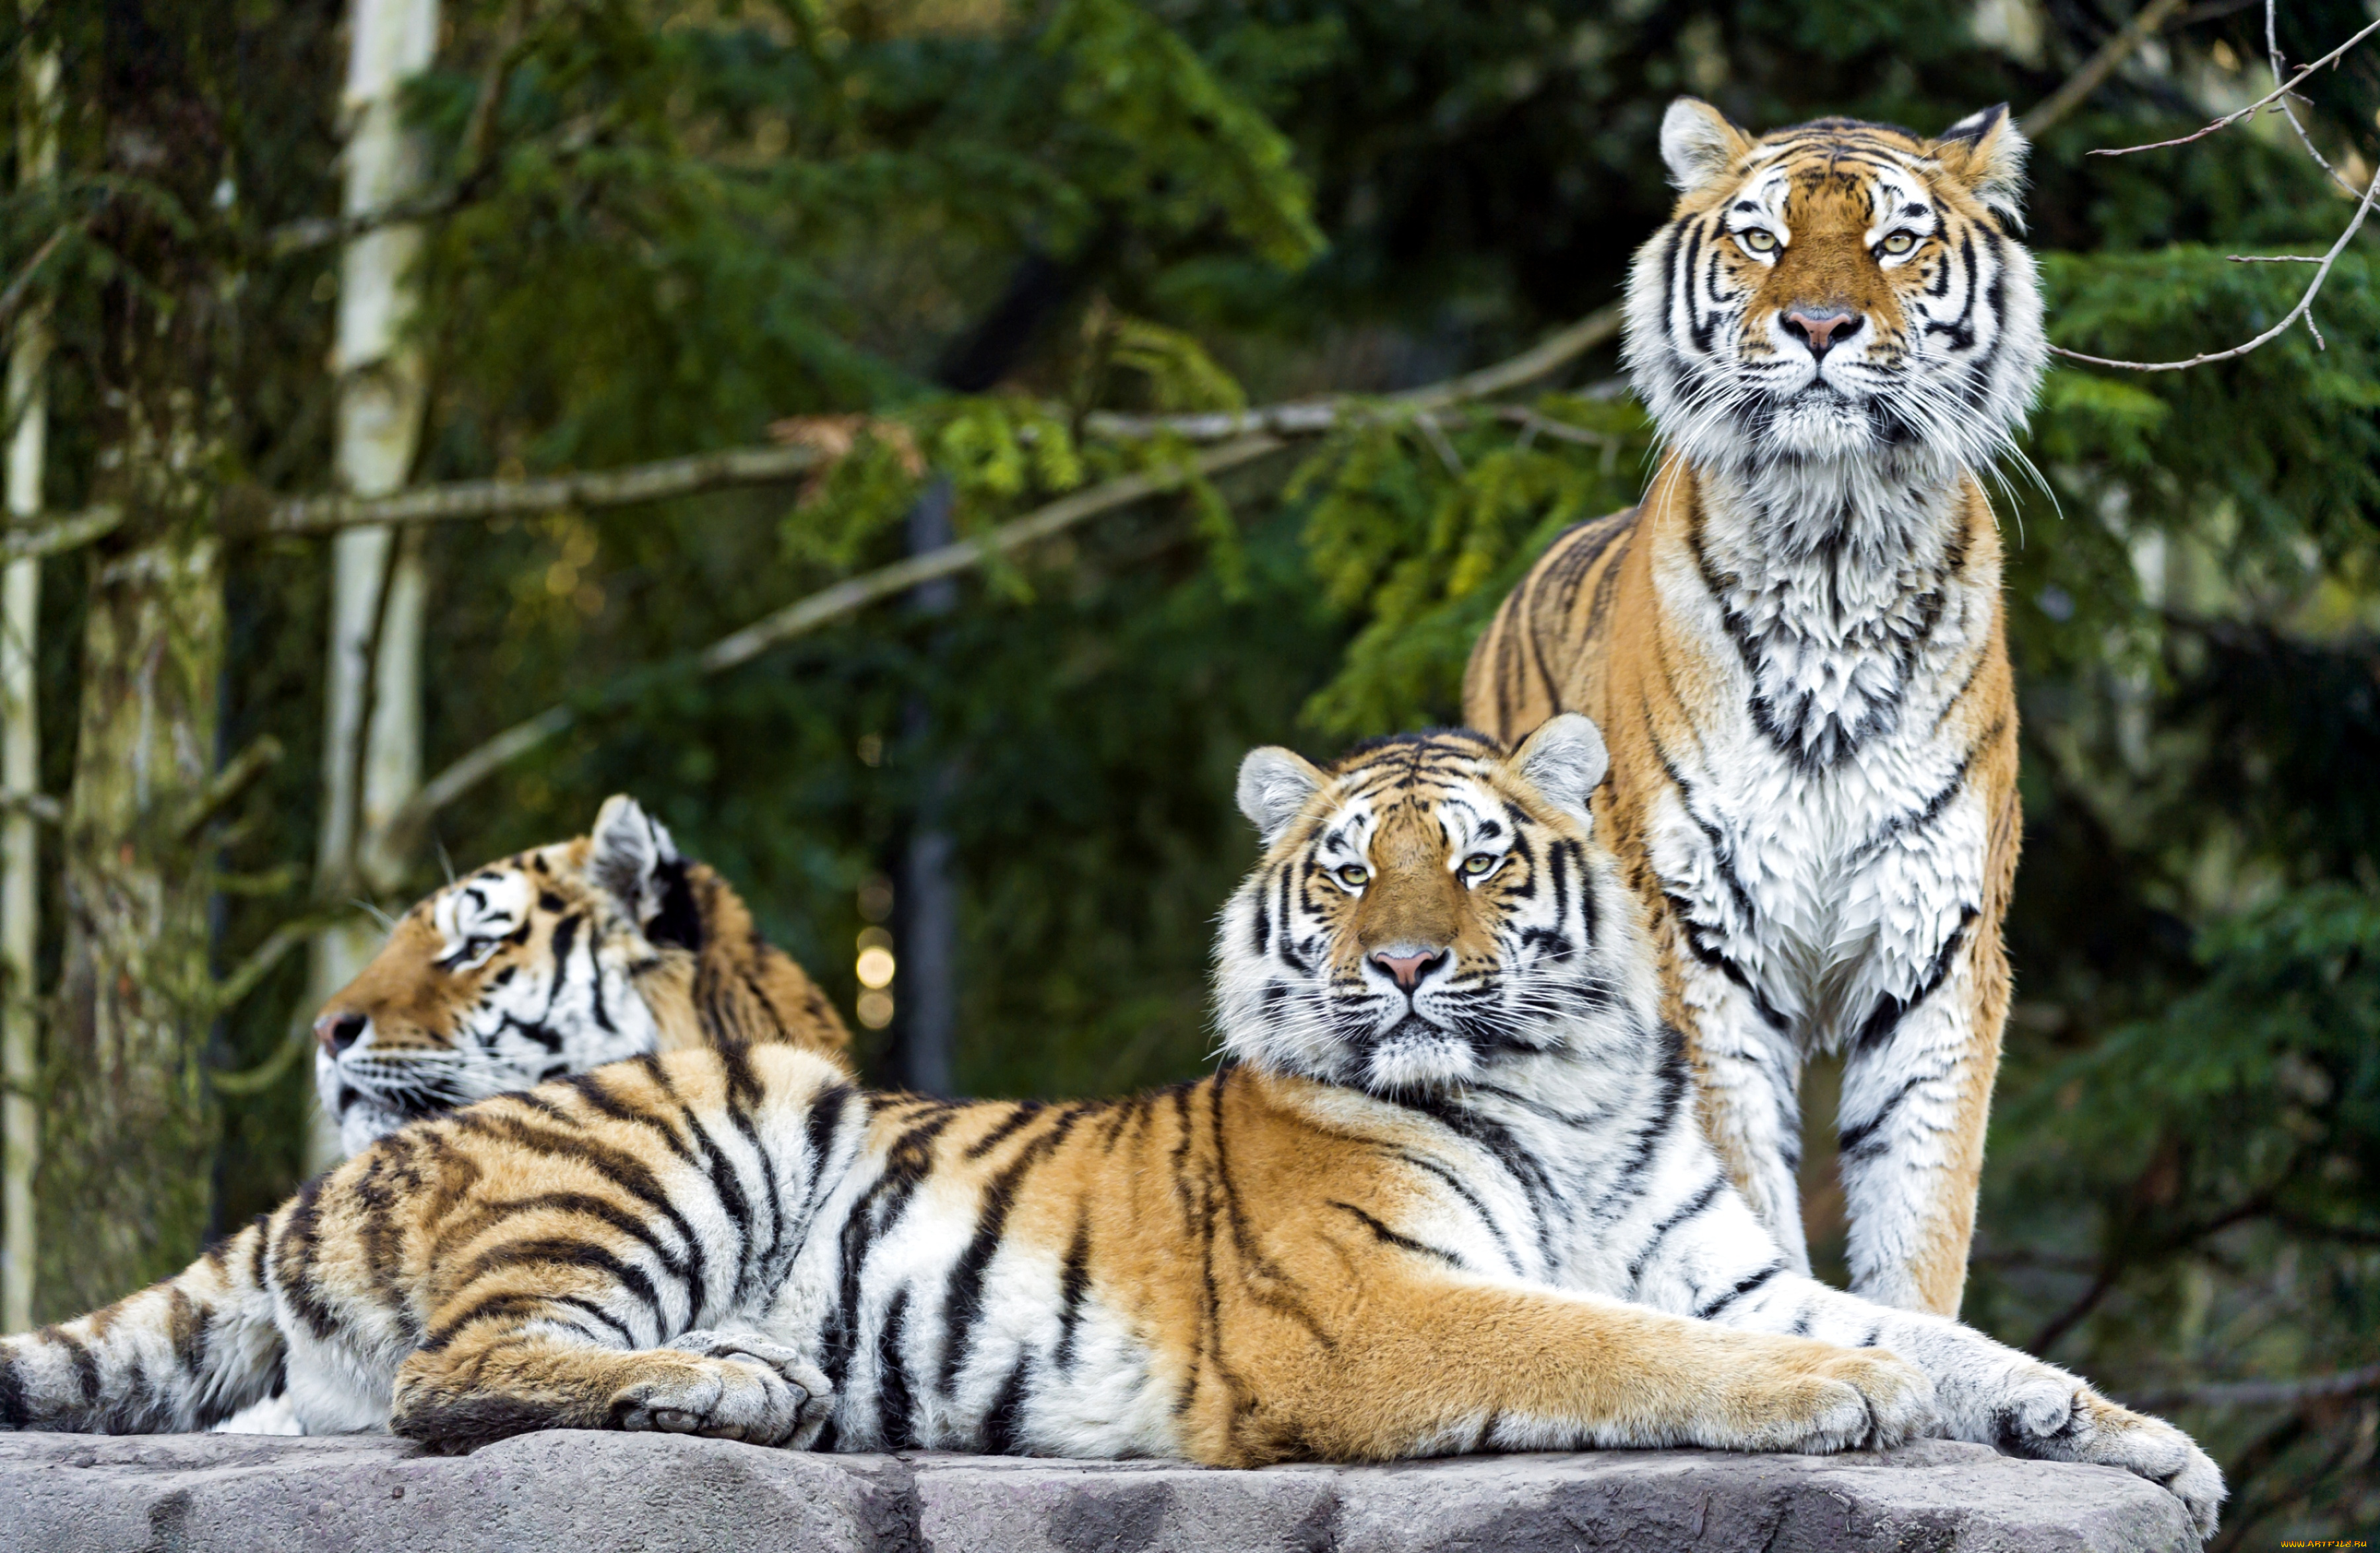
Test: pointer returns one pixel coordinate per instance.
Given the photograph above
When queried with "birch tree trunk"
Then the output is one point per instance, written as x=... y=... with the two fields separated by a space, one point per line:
x=20 y=766
x=371 y=747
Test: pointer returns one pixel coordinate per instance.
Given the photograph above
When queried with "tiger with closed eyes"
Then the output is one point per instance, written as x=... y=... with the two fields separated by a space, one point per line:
x=551 y=961
x=1796 y=645
x=1447 y=1195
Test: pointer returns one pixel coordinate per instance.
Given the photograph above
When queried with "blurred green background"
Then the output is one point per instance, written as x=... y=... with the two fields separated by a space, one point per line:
x=681 y=223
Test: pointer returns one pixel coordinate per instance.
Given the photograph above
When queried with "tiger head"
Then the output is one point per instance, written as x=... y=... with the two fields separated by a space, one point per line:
x=1428 y=907
x=1838 y=293
x=548 y=962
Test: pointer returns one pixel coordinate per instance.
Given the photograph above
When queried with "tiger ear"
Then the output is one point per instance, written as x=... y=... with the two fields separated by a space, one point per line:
x=1987 y=152
x=632 y=858
x=1274 y=785
x=1698 y=145
x=1566 y=761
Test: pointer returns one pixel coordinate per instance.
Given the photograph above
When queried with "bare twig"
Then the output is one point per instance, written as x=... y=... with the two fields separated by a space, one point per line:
x=2262 y=1393
x=2096 y=69
x=2236 y=116
x=17 y=544
x=2303 y=308
x=2273 y=55
x=819 y=609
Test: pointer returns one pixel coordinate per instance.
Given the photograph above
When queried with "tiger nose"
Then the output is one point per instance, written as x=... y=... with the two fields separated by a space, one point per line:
x=1819 y=326
x=1409 y=969
x=336 y=1032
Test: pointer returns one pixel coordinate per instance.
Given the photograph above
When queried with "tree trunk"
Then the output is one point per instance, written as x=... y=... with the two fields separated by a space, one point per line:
x=371 y=744
x=124 y=1167
x=20 y=766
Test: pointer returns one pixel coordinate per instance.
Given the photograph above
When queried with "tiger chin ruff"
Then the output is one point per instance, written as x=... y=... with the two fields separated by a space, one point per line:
x=1448 y=1196
x=1796 y=646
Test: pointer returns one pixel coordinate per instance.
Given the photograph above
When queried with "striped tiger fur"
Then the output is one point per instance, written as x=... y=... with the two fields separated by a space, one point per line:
x=551 y=961
x=1796 y=645
x=1447 y=1195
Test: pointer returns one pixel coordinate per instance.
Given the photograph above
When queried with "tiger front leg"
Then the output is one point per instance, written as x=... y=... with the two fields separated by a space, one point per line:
x=726 y=1385
x=1441 y=1365
x=1747 y=1091
x=1916 y=1097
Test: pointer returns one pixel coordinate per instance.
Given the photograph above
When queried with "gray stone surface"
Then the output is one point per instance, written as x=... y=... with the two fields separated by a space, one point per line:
x=612 y=1493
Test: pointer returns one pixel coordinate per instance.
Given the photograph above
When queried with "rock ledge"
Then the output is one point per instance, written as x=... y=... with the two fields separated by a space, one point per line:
x=612 y=1493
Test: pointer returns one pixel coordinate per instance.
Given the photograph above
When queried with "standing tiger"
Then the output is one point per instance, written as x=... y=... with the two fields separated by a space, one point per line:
x=1447 y=1195
x=1796 y=645
x=547 y=963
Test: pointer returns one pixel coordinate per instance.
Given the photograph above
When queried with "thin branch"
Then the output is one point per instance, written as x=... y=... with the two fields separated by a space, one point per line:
x=2084 y=81
x=2273 y=55
x=2303 y=310
x=1306 y=417
x=2235 y=117
x=509 y=498
x=764 y=465
x=240 y=773
x=819 y=609
x=14 y=297
x=2262 y=1393
x=19 y=543
x=270 y=952
x=41 y=806
x=324 y=231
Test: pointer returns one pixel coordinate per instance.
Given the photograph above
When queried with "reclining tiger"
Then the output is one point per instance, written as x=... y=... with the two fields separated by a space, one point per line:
x=1446 y=1194
x=1796 y=645
x=550 y=962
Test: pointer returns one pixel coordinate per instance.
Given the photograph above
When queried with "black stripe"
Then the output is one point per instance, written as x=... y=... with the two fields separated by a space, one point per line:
x=1747 y=1286
x=1387 y=1236
x=963 y=1301
x=1890 y=1010
x=563 y=1251
x=872 y=1214
x=1004 y=1424
x=1072 y=1285
x=1693 y=1205
x=894 y=1408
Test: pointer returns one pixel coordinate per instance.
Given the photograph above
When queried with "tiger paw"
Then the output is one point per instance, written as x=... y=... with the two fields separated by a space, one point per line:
x=2051 y=1415
x=1834 y=1399
x=736 y=1387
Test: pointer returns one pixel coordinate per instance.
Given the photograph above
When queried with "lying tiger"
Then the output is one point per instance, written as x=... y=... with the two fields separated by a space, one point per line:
x=550 y=962
x=1447 y=1194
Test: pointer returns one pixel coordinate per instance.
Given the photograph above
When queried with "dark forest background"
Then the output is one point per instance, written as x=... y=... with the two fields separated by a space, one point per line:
x=662 y=228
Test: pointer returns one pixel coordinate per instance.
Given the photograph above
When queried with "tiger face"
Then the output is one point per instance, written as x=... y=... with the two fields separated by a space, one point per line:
x=1837 y=292
x=553 y=961
x=1427 y=907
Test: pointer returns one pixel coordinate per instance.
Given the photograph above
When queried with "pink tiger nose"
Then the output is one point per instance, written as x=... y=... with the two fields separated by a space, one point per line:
x=1409 y=969
x=1818 y=326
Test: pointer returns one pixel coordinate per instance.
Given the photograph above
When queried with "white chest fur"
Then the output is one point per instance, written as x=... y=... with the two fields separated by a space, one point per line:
x=1821 y=839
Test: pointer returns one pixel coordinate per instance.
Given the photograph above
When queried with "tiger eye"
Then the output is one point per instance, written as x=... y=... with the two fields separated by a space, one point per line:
x=1757 y=240
x=1478 y=863
x=1900 y=242
x=1354 y=878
